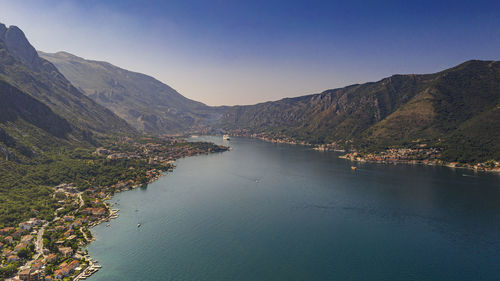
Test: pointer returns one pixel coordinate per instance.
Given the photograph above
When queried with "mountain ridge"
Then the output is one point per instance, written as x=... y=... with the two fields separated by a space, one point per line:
x=56 y=112
x=146 y=103
x=440 y=109
x=392 y=111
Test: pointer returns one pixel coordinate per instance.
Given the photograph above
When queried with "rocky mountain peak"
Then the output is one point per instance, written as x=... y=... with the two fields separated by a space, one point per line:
x=18 y=45
x=3 y=28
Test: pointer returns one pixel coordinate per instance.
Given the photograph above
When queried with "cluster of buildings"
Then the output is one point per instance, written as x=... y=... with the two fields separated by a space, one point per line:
x=267 y=137
x=162 y=152
x=491 y=165
x=330 y=147
x=393 y=155
x=60 y=255
x=16 y=243
x=17 y=247
x=427 y=156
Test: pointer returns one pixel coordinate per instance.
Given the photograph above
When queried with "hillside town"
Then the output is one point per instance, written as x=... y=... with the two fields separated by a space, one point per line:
x=37 y=249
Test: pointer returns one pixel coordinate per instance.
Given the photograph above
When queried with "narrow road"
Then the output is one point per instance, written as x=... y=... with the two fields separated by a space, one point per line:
x=39 y=237
x=38 y=246
x=81 y=199
x=39 y=242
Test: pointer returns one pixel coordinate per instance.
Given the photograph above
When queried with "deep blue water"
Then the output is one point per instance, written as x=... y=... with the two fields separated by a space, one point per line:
x=268 y=211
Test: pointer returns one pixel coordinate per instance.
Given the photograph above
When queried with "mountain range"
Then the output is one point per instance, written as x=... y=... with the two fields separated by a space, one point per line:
x=147 y=104
x=457 y=109
x=50 y=98
x=39 y=107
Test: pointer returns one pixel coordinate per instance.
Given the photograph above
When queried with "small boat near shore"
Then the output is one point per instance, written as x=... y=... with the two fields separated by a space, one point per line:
x=226 y=137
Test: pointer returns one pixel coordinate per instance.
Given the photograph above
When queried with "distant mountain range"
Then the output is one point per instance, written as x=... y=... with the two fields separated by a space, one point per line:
x=457 y=110
x=144 y=102
x=39 y=107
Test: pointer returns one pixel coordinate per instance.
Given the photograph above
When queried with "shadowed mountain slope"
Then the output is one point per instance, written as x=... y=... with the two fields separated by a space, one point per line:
x=40 y=108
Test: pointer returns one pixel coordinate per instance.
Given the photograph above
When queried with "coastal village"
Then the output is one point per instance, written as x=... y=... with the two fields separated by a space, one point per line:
x=425 y=156
x=267 y=137
x=421 y=154
x=54 y=250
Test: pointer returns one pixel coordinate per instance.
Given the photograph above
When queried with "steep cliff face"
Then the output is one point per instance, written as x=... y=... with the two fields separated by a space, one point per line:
x=18 y=45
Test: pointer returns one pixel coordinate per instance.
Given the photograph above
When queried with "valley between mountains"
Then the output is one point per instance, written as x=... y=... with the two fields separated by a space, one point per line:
x=74 y=131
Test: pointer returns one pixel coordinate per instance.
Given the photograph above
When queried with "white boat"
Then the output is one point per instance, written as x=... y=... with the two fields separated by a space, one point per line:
x=225 y=137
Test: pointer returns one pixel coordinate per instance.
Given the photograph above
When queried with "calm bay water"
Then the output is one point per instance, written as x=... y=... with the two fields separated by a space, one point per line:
x=268 y=211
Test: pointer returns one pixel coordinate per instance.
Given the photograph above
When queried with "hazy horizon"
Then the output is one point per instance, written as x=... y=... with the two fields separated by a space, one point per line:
x=235 y=52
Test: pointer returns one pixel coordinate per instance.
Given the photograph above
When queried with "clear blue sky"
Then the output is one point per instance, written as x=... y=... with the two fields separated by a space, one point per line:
x=243 y=52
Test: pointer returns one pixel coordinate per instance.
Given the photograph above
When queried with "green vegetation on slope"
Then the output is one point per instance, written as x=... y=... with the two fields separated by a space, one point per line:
x=27 y=189
x=456 y=110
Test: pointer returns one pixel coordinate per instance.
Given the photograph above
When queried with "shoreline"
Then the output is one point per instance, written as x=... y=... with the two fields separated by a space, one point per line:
x=113 y=214
x=436 y=162
x=347 y=156
x=63 y=254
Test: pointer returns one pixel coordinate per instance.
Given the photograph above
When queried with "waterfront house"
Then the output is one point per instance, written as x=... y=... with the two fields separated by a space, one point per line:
x=98 y=211
x=86 y=211
x=73 y=265
x=61 y=273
